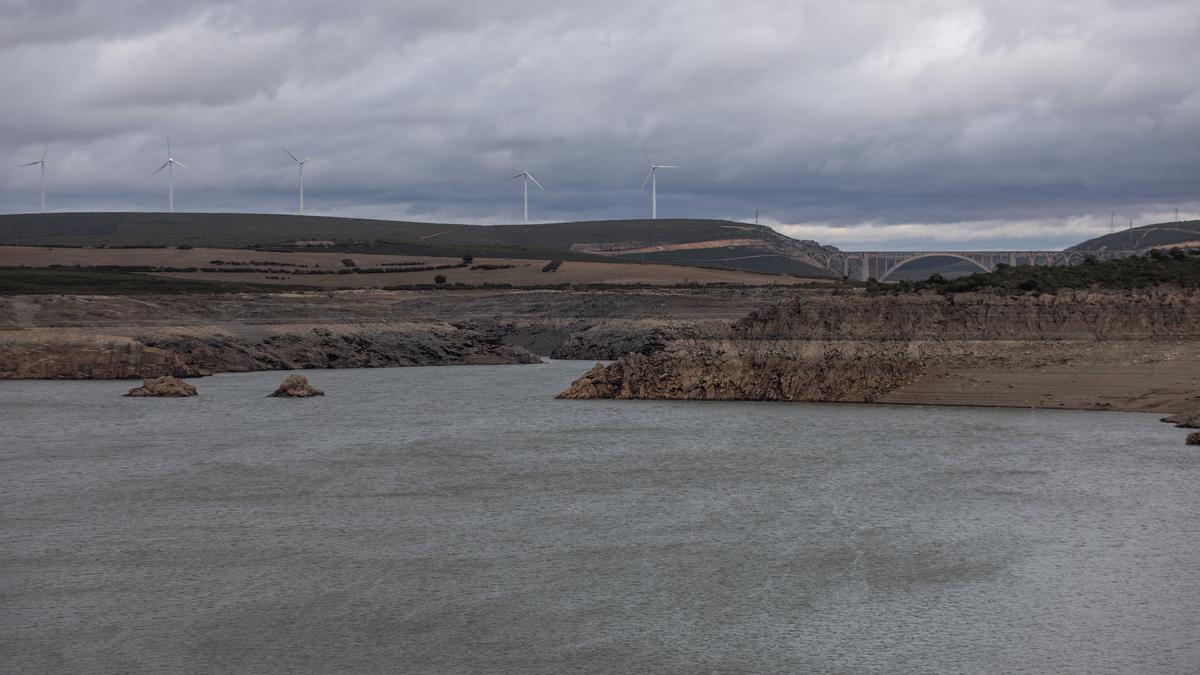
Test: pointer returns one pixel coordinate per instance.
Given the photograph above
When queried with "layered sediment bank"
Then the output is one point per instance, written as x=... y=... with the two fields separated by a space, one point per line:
x=94 y=336
x=195 y=351
x=1120 y=351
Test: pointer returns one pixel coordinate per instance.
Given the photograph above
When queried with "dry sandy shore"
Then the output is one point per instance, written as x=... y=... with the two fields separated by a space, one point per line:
x=1144 y=376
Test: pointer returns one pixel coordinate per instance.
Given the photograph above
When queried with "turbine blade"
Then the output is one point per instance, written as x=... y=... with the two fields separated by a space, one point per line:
x=647 y=154
x=647 y=179
x=667 y=166
x=289 y=154
x=182 y=164
x=535 y=182
x=516 y=176
x=45 y=148
x=32 y=163
x=308 y=159
x=168 y=145
x=164 y=165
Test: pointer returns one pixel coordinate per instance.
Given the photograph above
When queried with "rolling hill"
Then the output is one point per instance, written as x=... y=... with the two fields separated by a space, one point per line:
x=698 y=243
x=1159 y=235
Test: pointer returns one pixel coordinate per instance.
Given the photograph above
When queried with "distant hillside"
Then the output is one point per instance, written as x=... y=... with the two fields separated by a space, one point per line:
x=1160 y=235
x=699 y=243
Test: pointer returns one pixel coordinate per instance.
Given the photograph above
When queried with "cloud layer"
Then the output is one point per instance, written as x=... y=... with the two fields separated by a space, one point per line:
x=911 y=124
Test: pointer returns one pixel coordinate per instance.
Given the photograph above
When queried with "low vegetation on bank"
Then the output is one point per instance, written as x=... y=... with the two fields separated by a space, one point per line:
x=1175 y=268
x=43 y=281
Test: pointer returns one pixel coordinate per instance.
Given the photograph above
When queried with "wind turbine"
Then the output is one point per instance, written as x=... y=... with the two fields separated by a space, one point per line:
x=42 y=163
x=169 y=165
x=528 y=177
x=653 y=183
x=301 y=162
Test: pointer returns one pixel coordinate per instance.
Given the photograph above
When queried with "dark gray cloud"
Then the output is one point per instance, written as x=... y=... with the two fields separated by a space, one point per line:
x=914 y=124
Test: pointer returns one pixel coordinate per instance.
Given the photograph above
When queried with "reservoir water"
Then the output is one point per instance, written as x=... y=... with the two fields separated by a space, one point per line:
x=459 y=519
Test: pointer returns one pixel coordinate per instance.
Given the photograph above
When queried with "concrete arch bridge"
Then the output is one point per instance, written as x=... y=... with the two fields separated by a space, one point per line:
x=864 y=265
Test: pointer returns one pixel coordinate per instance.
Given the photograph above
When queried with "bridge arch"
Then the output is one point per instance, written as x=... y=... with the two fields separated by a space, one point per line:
x=904 y=262
x=833 y=262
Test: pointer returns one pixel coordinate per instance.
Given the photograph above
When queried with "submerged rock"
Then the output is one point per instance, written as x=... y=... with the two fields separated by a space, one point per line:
x=297 y=386
x=1193 y=438
x=163 y=386
x=1189 y=420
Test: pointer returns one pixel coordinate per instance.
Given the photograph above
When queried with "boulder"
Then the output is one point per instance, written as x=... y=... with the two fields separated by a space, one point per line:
x=1193 y=438
x=163 y=386
x=297 y=386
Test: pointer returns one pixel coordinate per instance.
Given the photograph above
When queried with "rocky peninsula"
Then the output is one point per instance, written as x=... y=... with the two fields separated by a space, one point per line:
x=1136 y=350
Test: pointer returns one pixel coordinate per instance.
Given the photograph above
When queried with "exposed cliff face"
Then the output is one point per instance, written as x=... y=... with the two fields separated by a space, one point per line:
x=40 y=354
x=72 y=358
x=816 y=370
x=859 y=348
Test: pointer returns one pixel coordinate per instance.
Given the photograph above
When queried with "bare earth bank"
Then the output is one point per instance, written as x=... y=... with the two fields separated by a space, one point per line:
x=1110 y=351
x=105 y=337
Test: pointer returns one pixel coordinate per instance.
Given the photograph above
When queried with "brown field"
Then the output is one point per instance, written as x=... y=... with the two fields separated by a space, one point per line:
x=522 y=272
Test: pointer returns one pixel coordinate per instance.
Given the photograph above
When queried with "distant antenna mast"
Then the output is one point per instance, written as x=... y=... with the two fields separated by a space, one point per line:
x=756 y=216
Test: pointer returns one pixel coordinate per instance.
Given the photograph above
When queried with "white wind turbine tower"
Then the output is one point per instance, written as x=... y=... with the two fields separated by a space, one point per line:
x=42 y=163
x=653 y=183
x=528 y=177
x=169 y=165
x=300 y=162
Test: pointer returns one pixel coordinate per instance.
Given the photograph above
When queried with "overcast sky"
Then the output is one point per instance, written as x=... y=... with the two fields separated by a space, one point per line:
x=891 y=124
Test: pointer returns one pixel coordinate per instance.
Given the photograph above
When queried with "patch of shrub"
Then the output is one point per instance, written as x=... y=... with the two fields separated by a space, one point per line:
x=552 y=266
x=439 y=279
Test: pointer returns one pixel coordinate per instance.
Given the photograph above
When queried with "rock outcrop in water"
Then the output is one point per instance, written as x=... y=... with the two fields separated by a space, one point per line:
x=1193 y=438
x=296 y=386
x=168 y=387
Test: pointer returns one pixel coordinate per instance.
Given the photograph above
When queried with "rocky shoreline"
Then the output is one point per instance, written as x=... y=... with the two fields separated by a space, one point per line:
x=107 y=337
x=192 y=352
x=1103 y=351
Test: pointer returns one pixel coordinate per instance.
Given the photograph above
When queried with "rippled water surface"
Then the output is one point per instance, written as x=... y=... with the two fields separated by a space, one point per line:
x=460 y=519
